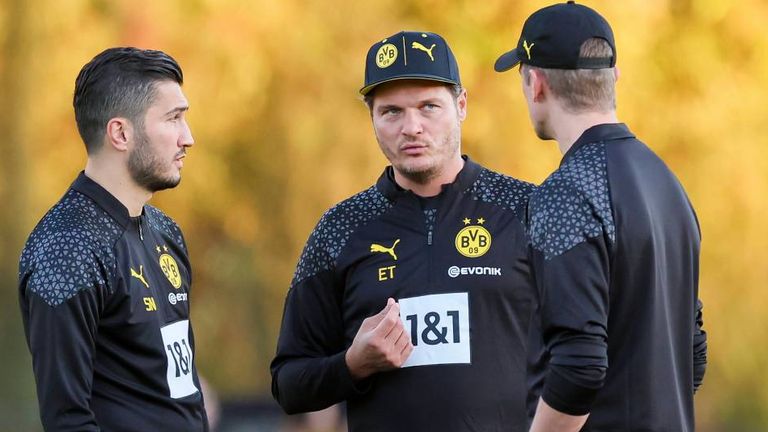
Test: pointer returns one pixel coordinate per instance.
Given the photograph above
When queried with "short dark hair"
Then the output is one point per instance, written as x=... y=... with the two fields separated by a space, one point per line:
x=119 y=82
x=455 y=90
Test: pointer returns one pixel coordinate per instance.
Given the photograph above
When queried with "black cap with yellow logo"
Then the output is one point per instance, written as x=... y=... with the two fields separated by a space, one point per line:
x=410 y=55
x=552 y=38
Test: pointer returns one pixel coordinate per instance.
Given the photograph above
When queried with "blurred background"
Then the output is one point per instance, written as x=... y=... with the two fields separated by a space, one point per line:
x=281 y=135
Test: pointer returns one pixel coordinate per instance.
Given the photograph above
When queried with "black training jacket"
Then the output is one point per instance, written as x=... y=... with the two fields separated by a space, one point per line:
x=105 y=303
x=616 y=261
x=458 y=266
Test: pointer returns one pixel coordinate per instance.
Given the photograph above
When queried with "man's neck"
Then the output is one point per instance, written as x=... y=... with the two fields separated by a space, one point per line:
x=117 y=181
x=568 y=127
x=435 y=184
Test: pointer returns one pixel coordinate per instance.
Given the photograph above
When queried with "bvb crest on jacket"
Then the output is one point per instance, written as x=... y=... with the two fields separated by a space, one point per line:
x=170 y=268
x=473 y=241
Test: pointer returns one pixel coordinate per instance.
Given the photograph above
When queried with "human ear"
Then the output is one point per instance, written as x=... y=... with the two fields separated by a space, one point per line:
x=538 y=85
x=461 y=104
x=119 y=131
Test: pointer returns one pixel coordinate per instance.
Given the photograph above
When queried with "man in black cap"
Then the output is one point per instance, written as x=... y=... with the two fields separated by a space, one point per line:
x=615 y=246
x=412 y=299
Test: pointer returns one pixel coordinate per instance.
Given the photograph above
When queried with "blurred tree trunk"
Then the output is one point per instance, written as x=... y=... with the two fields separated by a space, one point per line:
x=17 y=408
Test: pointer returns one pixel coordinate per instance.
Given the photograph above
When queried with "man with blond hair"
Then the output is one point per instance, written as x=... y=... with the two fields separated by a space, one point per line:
x=615 y=245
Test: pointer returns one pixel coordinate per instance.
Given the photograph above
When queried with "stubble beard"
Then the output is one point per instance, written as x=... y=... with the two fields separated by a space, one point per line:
x=146 y=168
x=423 y=175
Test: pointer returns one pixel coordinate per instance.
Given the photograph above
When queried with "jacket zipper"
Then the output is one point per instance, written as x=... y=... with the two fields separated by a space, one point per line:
x=431 y=222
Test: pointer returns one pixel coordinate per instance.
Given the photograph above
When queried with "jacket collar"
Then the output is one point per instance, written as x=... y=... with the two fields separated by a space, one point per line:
x=464 y=180
x=102 y=198
x=598 y=133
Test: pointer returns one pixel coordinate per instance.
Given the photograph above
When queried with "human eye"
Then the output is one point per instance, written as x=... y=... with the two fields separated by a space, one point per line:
x=390 y=111
x=176 y=115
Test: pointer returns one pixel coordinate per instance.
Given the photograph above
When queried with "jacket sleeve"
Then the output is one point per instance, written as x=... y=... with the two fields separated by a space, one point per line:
x=309 y=371
x=571 y=263
x=61 y=297
x=699 y=348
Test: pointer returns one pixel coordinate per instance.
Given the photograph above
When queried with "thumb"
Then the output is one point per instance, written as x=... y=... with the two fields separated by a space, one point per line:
x=390 y=304
x=382 y=313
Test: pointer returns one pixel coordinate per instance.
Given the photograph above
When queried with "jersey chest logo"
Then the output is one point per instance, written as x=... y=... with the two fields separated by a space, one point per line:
x=439 y=327
x=387 y=272
x=169 y=267
x=473 y=241
x=139 y=275
x=382 y=249
x=180 y=370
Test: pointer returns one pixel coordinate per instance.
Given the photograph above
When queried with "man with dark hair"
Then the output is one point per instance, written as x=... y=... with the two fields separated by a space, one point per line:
x=104 y=278
x=615 y=244
x=412 y=299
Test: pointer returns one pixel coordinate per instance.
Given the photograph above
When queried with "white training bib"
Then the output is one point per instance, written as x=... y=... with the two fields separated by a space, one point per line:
x=439 y=328
x=180 y=357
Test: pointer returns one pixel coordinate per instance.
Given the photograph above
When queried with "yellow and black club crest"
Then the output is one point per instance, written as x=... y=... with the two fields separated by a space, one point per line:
x=170 y=268
x=473 y=241
x=386 y=55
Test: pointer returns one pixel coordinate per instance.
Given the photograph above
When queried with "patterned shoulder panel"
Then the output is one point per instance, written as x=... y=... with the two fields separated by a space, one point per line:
x=501 y=190
x=573 y=204
x=71 y=249
x=159 y=221
x=334 y=229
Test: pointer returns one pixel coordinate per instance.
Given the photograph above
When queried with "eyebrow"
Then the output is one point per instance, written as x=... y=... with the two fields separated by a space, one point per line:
x=422 y=102
x=177 y=109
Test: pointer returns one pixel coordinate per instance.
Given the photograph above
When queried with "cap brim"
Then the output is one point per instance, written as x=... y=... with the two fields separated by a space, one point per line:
x=365 y=90
x=507 y=61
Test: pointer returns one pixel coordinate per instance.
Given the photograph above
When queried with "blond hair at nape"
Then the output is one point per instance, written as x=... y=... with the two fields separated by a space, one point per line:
x=583 y=90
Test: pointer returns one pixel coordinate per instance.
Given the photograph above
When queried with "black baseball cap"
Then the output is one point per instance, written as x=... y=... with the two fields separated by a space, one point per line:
x=410 y=55
x=552 y=38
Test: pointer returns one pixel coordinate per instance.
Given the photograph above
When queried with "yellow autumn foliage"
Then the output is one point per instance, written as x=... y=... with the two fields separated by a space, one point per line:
x=281 y=135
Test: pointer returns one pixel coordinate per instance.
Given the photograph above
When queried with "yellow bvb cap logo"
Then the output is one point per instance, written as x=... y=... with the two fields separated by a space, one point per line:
x=170 y=270
x=386 y=55
x=473 y=241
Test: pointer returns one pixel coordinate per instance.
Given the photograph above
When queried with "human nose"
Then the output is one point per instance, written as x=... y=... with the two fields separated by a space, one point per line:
x=412 y=123
x=186 y=139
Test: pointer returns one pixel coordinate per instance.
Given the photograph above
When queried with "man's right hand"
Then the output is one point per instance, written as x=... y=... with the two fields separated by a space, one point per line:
x=380 y=344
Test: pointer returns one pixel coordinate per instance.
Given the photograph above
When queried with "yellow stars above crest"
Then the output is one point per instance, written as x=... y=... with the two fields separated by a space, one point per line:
x=468 y=221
